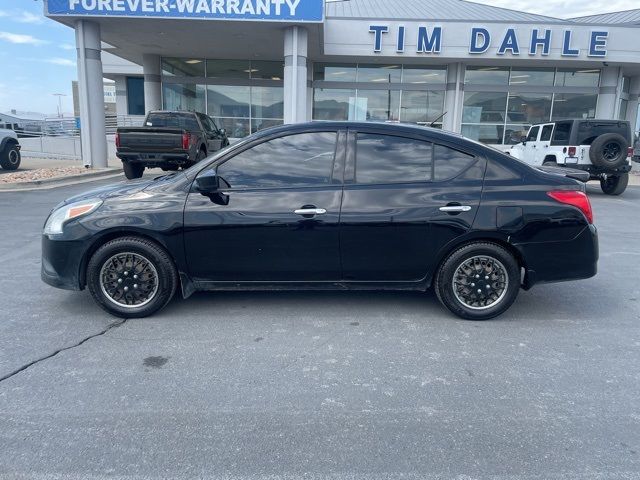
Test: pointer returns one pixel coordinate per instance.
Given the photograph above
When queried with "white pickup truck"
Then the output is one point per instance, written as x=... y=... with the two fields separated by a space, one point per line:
x=600 y=147
x=9 y=150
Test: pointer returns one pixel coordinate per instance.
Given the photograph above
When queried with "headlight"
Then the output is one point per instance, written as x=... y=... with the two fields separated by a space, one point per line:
x=57 y=219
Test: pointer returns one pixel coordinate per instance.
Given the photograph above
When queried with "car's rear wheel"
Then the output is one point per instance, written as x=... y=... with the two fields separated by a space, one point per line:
x=10 y=157
x=132 y=170
x=131 y=277
x=614 y=184
x=478 y=281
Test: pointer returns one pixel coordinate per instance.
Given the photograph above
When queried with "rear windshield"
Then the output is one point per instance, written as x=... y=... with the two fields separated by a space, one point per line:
x=185 y=121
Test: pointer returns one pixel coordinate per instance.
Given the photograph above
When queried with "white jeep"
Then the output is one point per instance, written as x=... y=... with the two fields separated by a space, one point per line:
x=600 y=147
x=9 y=150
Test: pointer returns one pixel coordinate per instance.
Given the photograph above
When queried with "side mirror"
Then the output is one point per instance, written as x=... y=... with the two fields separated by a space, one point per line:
x=523 y=139
x=210 y=185
x=207 y=183
x=223 y=131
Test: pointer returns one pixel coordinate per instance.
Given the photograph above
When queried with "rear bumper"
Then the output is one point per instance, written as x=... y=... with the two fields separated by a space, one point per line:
x=549 y=262
x=61 y=262
x=155 y=159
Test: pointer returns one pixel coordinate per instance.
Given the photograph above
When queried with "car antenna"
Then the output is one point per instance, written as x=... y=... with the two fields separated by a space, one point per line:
x=432 y=123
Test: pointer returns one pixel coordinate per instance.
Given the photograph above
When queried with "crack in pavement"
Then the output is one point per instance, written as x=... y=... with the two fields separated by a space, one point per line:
x=111 y=326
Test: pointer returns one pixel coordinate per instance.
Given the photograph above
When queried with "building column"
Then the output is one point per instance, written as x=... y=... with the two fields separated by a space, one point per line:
x=122 y=109
x=632 y=107
x=454 y=98
x=609 y=93
x=152 y=71
x=93 y=136
x=295 y=75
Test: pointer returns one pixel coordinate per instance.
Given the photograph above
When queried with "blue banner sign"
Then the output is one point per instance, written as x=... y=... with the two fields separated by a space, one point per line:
x=257 y=10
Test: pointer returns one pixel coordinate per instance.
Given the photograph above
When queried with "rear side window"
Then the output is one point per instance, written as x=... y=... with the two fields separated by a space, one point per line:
x=533 y=134
x=304 y=159
x=450 y=163
x=545 y=136
x=391 y=159
x=561 y=133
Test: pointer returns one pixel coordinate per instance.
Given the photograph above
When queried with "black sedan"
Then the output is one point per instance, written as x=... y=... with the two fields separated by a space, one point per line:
x=328 y=206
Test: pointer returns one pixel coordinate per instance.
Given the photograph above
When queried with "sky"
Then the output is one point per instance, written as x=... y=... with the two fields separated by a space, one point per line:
x=38 y=57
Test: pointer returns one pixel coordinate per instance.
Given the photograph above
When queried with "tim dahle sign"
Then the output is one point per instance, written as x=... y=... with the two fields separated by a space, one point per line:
x=537 y=42
x=259 y=10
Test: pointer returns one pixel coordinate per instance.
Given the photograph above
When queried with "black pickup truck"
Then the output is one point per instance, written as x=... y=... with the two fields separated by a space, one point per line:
x=169 y=140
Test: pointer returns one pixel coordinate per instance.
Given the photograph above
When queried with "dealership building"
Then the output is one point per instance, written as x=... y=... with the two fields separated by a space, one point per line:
x=484 y=71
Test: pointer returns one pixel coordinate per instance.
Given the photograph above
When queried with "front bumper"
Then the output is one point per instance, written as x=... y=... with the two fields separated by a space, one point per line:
x=549 y=262
x=61 y=263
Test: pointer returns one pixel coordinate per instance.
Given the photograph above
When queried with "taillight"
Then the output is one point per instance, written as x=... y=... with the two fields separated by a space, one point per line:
x=117 y=140
x=572 y=151
x=574 y=198
x=186 y=140
x=630 y=152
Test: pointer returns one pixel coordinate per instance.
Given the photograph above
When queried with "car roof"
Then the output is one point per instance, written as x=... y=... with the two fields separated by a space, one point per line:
x=382 y=127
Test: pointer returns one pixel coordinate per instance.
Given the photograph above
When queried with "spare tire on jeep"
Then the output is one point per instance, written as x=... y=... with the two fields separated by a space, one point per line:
x=609 y=151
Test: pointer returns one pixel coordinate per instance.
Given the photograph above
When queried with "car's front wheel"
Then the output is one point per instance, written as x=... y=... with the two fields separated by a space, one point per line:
x=478 y=281
x=131 y=277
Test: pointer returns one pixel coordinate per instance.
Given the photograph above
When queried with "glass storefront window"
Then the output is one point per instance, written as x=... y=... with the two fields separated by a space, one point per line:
x=228 y=68
x=574 y=105
x=484 y=107
x=334 y=72
x=421 y=106
x=515 y=133
x=377 y=105
x=486 y=76
x=228 y=101
x=577 y=78
x=267 y=102
x=258 y=124
x=267 y=70
x=529 y=108
x=532 y=76
x=135 y=96
x=333 y=104
x=414 y=74
x=183 y=67
x=235 y=127
x=379 y=73
x=491 y=134
x=184 y=97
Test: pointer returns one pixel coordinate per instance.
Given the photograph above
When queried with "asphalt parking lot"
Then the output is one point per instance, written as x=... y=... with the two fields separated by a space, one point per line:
x=320 y=385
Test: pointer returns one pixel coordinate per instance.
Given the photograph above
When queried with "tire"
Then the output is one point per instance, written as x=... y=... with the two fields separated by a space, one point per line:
x=609 y=151
x=615 y=184
x=10 y=157
x=478 y=255
x=116 y=261
x=132 y=170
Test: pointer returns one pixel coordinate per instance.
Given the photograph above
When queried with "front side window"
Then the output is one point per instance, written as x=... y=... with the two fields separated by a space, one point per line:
x=390 y=159
x=533 y=134
x=304 y=159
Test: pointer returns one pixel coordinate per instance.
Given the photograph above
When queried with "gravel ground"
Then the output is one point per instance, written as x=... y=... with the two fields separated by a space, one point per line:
x=21 y=176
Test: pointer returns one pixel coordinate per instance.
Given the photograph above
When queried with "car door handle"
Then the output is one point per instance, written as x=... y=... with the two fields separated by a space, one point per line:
x=455 y=208
x=310 y=211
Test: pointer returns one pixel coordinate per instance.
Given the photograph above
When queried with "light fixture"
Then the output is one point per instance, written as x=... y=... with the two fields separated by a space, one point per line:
x=193 y=61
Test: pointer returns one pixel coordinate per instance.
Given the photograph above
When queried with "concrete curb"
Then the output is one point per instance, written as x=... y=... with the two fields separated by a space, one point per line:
x=60 y=181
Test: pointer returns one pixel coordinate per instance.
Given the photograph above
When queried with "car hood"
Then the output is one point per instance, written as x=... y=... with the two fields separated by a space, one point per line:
x=121 y=189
